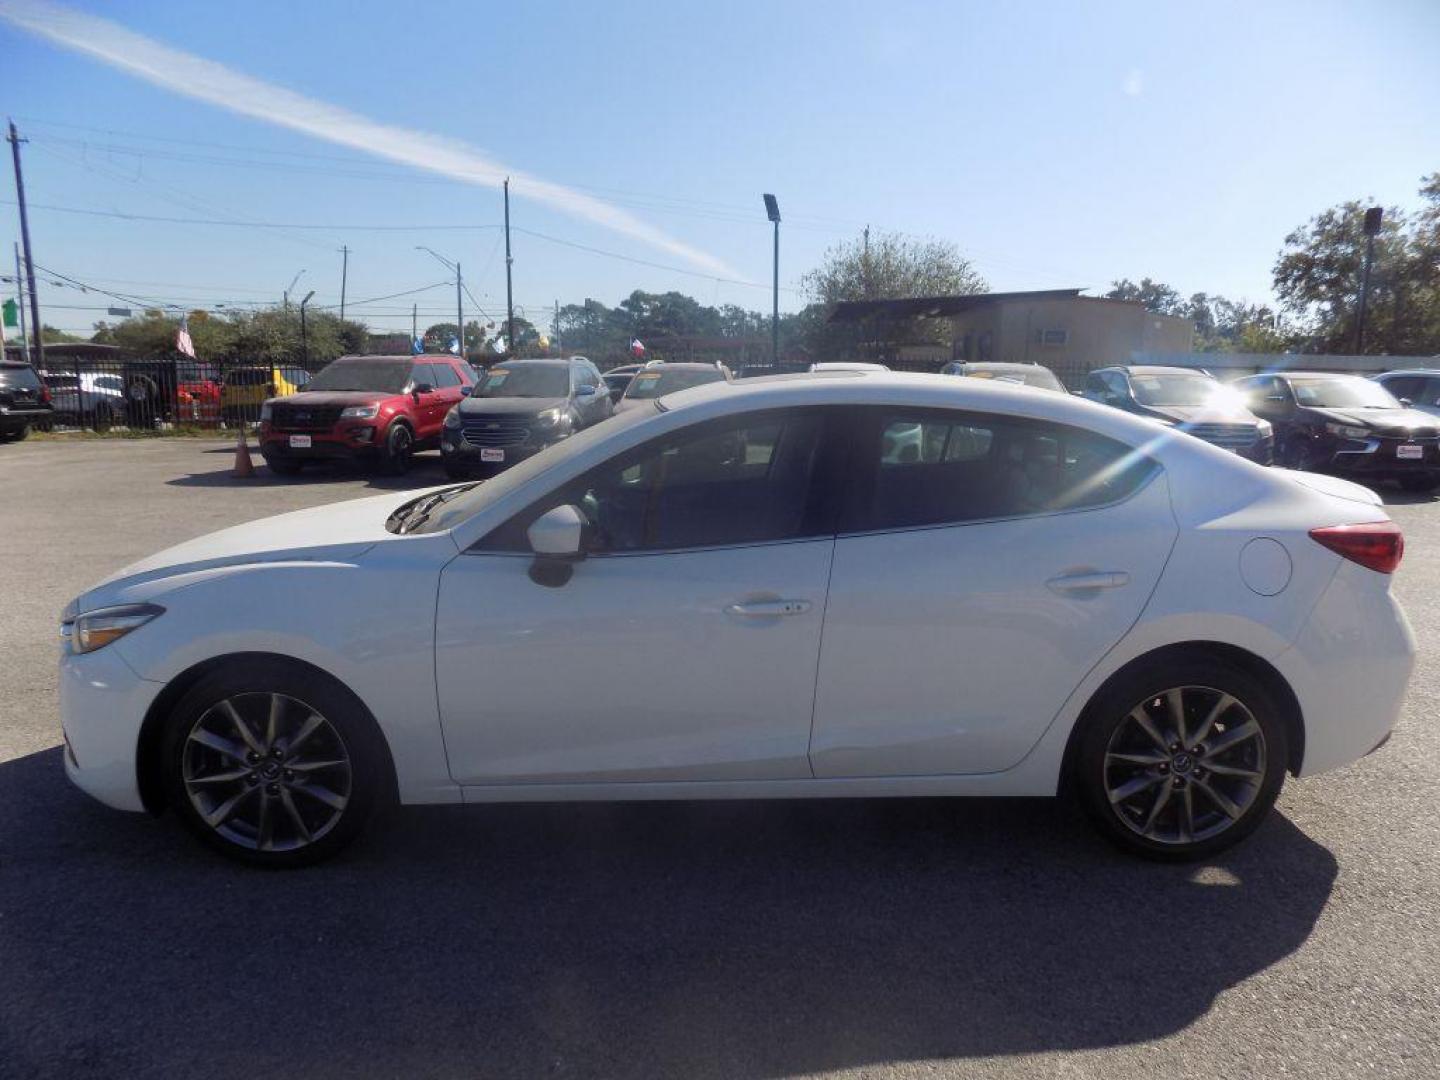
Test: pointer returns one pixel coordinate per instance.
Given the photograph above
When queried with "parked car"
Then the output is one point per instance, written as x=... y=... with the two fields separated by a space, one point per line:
x=170 y=390
x=616 y=384
x=520 y=408
x=1419 y=389
x=24 y=401
x=666 y=379
x=377 y=409
x=1346 y=424
x=244 y=389
x=1048 y=598
x=1025 y=374
x=95 y=399
x=1189 y=401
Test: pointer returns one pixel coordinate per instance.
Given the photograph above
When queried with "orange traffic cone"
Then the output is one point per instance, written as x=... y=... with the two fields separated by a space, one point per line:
x=244 y=468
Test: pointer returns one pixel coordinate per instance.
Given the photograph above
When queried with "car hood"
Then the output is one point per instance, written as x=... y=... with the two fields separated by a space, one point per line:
x=339 y=532
x=509 y=406
x=322 y=398
x=1201 y=414
x=1378 y=419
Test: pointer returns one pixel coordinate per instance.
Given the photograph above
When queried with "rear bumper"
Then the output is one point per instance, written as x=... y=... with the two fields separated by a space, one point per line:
x=1349 y=668
x=12 y=420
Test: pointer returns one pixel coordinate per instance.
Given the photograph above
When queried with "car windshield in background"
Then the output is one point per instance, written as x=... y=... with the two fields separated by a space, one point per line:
x=1182 y=390
x=523 y=381
x=1343 y=392
x=375 y=376
x=651 y=384
x=18 y=375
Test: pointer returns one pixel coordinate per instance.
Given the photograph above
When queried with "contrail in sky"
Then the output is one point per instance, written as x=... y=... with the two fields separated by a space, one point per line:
x=206 y=80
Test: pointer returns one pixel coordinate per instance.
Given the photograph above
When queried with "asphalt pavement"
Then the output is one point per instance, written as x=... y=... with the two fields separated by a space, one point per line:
x=865 y=938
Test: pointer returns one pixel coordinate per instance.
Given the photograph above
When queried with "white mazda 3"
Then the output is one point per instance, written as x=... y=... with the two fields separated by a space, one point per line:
x=843 y=584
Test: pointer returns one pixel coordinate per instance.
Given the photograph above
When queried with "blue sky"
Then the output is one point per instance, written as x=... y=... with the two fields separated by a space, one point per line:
x=1055 y=144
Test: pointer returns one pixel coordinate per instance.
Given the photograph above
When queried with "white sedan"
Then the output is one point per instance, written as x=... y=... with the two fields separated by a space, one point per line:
x=736 y=592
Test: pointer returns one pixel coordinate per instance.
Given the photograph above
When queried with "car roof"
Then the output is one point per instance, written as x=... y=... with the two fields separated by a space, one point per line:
x=683 y=365
x=1408 y=371
x=1157 y=369
x=540 y=361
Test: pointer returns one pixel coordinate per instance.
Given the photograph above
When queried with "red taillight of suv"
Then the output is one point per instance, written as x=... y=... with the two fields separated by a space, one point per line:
x=44 y=395
x=1377 y=546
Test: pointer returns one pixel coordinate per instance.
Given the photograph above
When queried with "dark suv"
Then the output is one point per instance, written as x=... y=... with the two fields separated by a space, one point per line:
x=373 y=408
x=1347 y=424
x=519 y=408
x=24 y=400
x=1189 y=401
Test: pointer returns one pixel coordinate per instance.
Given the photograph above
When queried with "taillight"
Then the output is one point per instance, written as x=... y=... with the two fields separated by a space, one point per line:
x=1377 y=546
x=44 y=395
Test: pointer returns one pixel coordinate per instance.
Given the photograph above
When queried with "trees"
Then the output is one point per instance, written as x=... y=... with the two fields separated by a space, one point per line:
x=1318 y=273
x=1221 y=325
x=1156 y=296
x=269 y=335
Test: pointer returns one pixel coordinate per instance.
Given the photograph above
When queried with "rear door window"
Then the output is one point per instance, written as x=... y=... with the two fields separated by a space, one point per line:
x=931 y=468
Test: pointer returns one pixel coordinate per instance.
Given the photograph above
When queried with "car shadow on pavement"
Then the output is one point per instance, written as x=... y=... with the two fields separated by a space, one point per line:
x=426 y=470
x=645 y=939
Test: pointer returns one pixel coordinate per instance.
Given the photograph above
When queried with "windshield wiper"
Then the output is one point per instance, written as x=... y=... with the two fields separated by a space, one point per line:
x=417 y=512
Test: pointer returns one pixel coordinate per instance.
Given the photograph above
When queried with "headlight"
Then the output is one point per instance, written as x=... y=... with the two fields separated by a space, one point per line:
x=1265 y=429
x=96 y=629
x=452 y=418
x=359 y=412
x=1347 y=431
x=552 y=416
x=265 y=411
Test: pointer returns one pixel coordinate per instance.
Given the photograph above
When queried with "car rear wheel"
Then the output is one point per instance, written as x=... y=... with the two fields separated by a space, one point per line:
x=271 y=765
x=1181 y=762
x=399 y=446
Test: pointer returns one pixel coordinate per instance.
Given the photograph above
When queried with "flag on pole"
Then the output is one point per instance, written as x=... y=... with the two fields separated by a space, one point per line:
x=455 y=345
x=417 y=346
x=637 y=348
x=182 y=338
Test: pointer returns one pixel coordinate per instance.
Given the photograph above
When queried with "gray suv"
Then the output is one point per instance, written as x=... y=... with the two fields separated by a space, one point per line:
x=518 y=408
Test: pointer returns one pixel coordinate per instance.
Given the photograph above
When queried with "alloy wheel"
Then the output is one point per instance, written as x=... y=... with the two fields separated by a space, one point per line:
x=1185 y=765
x=266 y=771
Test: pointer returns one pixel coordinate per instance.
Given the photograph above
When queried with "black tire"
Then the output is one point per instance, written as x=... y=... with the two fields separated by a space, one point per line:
x=16 y=436
x=399 y=447
x=349 y=733
x=1420 y=484
x=1188 y=782
x=103 y=419
x=284 y=466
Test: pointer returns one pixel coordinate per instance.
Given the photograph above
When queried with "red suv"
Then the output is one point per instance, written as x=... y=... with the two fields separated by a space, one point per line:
x=375 y=408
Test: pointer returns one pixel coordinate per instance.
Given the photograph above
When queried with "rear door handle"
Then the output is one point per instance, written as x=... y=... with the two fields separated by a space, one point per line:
x=769 y=609
x=1100 y=579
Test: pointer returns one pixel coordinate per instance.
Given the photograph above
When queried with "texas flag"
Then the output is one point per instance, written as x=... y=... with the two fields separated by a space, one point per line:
x=637 y=347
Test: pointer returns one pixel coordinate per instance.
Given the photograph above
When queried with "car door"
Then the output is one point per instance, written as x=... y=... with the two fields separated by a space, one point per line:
x=590 y=401
x=448 y=385
x=684 y=645
x=429 y=403
x=974 y=584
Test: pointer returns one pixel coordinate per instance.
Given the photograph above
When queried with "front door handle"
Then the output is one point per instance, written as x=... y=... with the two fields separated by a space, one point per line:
x=769 y=609
x=1088 y=581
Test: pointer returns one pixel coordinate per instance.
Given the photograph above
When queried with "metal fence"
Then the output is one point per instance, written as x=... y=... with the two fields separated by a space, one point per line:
x=159 y=394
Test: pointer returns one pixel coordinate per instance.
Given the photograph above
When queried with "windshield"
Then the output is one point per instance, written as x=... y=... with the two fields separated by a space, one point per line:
x=1343 y=392
x=376 y=376
x=651 y=384
x=520 y=380
x=472 y=501
x=19 y=376
x=1181 y=390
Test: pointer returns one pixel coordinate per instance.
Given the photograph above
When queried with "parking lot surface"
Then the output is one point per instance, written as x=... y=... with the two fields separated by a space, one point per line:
x=914 y=938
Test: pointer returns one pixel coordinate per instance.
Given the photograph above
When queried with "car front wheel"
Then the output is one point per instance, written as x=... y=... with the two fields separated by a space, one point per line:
x=1181 y=762
x=272 y=765
x=399 y=446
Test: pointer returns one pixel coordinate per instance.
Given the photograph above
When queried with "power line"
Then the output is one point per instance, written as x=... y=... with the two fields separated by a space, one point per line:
x=243 y=224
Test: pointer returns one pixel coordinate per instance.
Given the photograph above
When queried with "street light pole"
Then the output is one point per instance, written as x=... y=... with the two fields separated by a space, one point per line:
x=772 y=211
x=285 y=296
x=36 y=339
x=344 y=273
x=459 y=314
x=1372 y=229
x=304 y=334
x=509 y=293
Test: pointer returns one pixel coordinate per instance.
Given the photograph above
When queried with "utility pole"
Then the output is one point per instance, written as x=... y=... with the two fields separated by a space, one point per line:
x=20 y=297
x=1372 y=229
x=865 y=266
x=344 y=273
x=414 y=328
x=304 y=336
x=36 y=341
x=459 y=314
x=509 y=293
x=558 y=348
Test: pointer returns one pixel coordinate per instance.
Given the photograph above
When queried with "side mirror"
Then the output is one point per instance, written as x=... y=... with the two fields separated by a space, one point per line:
x=424 y=388
x=466 y=391
x=586 y=391
x=1407 y=402
x=558 y=539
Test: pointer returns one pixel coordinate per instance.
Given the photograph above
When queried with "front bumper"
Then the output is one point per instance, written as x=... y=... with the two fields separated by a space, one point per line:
x=358 y=439
x=458 y=453
x=102 y=706
x=1379 y=458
